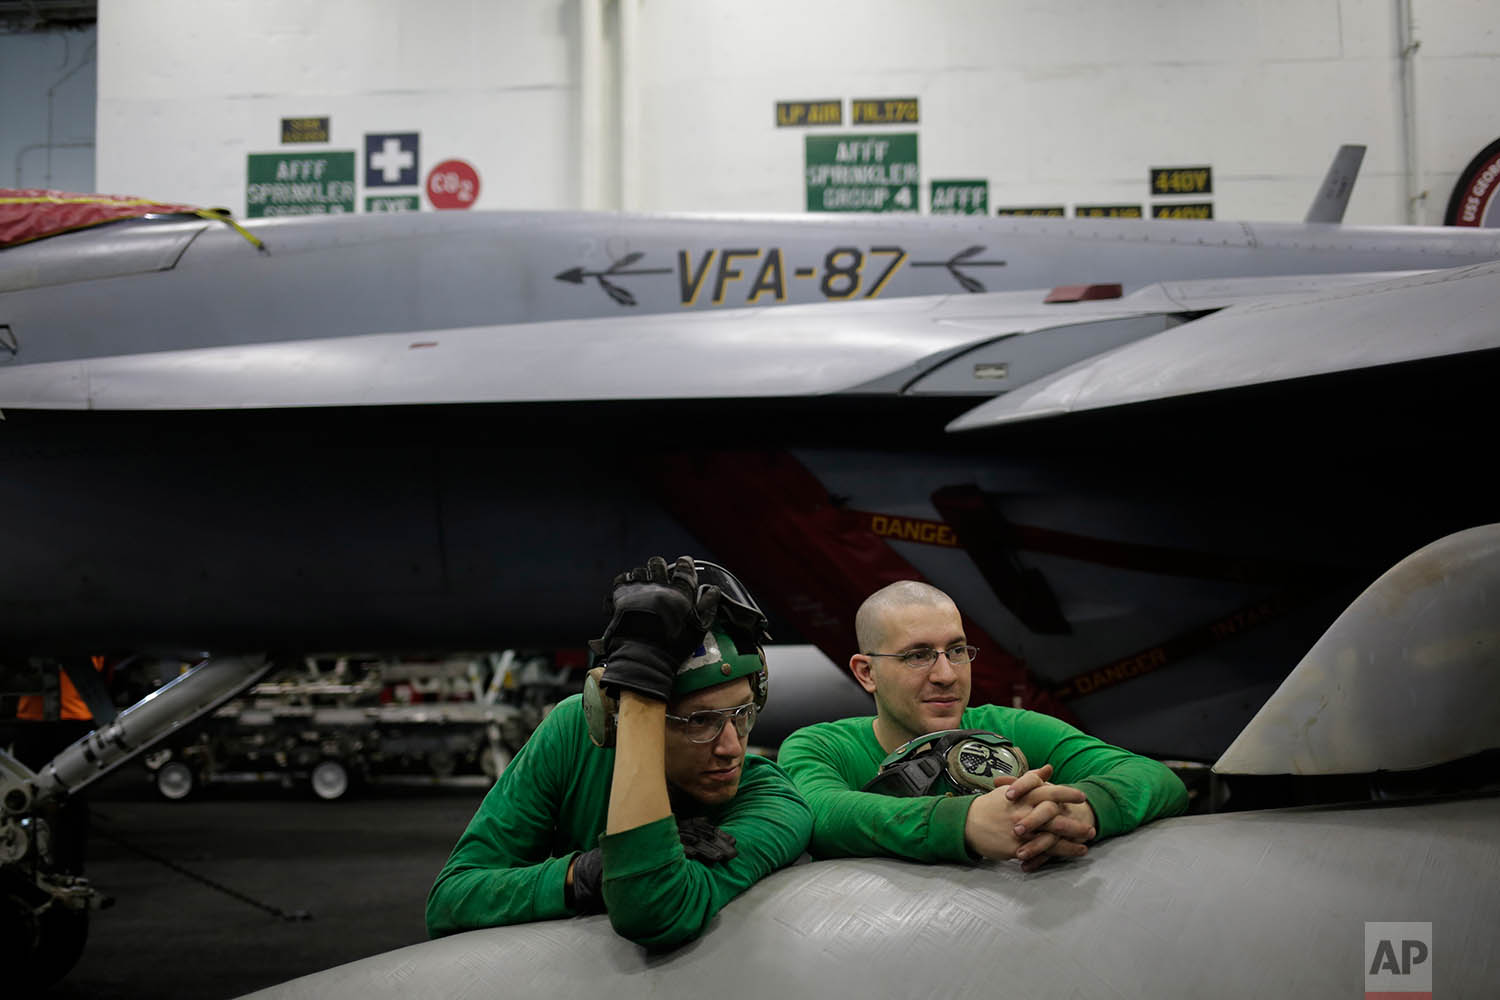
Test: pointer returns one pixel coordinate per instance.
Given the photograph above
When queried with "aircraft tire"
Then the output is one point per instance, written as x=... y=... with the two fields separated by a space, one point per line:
x=39 y=949
x=330 y=780
x=175 y=781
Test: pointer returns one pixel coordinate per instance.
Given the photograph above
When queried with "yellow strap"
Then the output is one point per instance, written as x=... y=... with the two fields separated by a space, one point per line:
x=219 y=215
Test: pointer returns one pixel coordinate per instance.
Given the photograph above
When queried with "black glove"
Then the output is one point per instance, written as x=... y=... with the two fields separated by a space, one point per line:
x=702 y=841
x=657 y=617
x=587 y=892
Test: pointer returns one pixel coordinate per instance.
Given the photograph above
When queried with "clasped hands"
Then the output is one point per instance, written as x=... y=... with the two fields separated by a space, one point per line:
x=1030 y=819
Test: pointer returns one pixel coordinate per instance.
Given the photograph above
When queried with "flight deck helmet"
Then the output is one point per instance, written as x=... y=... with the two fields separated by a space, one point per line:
x=731 y=649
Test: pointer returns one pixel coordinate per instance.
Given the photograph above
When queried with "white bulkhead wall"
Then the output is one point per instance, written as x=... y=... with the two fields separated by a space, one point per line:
x=1052 y=102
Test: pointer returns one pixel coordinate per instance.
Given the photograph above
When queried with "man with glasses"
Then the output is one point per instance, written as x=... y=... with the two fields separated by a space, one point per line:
x=637 y=798
x=883 y=786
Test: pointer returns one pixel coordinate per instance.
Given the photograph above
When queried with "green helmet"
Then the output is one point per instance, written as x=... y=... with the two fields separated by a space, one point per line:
x=718 y=660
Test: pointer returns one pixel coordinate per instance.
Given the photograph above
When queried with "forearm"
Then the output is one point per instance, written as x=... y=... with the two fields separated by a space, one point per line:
x=659 y=898
x=849 y=823
x=862 y=824
x=466 y=897
x=638 y=794
x=1133 y=793
x=1124 y=789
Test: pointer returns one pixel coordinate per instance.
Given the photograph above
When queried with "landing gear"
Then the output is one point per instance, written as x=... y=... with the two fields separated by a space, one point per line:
x=39 y=942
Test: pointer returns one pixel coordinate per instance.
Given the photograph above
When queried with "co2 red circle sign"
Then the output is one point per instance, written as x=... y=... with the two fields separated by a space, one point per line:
x=452 y=184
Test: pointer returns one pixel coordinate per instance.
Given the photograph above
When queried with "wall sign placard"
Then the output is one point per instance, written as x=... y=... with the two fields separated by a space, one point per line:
x=794 y=114
x=883 y=111
x=960 y=198
x=1473 y=202
x=393 y=203
x=1184 y=210
x=391 y=159
x=304 y=130
x=1106 y=211
x=1182 y=180
x=299 y=184
x=862 y=173
x=453 y=184
x=1033 y=210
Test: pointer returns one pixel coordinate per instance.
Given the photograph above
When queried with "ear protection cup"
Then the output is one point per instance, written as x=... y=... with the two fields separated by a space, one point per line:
x=760 y=684
x=599 y=709
x=948 y=762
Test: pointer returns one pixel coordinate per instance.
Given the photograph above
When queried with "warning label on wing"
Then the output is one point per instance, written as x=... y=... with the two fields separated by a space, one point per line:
x=912 y=529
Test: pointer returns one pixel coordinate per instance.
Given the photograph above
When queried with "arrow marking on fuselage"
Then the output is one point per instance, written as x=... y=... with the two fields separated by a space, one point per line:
x=961 y=259
x=619 y=268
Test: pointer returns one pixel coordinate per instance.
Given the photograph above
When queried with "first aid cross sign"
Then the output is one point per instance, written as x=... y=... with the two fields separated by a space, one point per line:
x=391 y=159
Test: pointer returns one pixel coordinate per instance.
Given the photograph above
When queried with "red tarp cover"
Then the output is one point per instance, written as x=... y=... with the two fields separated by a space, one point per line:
x=27 y=215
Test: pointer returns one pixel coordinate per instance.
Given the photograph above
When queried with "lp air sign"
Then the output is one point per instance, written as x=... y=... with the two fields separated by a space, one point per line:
x=453 y=184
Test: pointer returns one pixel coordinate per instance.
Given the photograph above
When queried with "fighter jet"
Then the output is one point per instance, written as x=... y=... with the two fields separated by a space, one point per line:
x=1150 y=460
x=441 y=430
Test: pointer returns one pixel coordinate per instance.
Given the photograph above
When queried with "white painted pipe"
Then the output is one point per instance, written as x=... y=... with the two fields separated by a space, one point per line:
x=629 y=104
x=590 y=100
x=1416 y=196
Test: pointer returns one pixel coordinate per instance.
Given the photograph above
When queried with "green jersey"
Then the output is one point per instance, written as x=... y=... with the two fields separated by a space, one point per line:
x=831 y=761
x=550 y=804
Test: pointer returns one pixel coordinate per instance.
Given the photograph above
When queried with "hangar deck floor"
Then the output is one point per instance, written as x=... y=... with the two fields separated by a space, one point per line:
x=360 y=866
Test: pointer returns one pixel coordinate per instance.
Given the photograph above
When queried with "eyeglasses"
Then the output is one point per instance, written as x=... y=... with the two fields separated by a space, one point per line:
x=925 y=656
x=705 y=726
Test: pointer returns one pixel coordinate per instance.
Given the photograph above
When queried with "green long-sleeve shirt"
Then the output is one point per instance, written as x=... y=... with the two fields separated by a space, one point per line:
x=831 y=761
x=510 y=864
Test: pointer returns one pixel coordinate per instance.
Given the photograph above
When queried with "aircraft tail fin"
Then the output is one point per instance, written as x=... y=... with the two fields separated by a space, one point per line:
x=1333 y=194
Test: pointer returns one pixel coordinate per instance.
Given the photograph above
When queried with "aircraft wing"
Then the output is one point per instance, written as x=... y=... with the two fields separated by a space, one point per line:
x=922 y=345
x=1365 y=325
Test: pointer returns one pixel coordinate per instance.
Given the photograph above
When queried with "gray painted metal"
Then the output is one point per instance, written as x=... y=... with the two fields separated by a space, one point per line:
x=806 y=687
x=1333 y=195
x=153 y=718
x=929 y=345
x=1429 y=315
x=1407 y=677
x=111 y=252
x=350 y=276
x=1253 y=905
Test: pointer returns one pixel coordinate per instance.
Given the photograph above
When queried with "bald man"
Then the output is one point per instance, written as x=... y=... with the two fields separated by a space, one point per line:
x=915 y=659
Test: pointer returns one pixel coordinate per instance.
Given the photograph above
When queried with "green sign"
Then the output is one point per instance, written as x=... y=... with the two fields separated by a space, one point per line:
x=960 y=197
x=393 y=203
x=862 y=173
x=299 y=184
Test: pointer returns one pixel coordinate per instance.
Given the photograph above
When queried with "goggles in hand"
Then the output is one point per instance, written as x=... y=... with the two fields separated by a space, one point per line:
x=949 y=762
